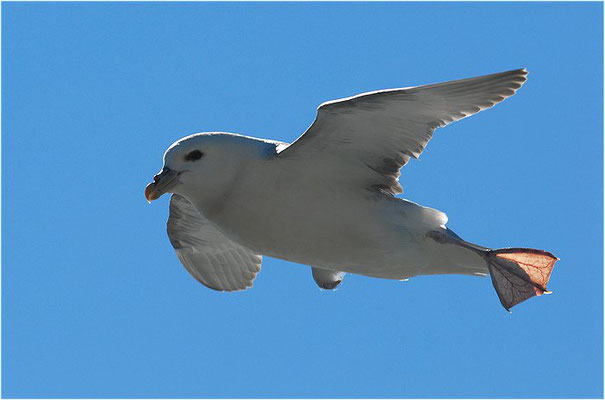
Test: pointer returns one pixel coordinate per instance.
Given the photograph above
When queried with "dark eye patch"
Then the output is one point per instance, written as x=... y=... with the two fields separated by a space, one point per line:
x=194 y=155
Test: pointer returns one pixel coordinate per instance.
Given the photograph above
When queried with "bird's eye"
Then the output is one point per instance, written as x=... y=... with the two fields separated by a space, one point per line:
x=194 y=155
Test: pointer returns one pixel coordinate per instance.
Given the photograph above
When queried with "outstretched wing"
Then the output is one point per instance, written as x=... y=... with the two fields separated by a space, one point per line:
x=209 y=256
x=367 y=138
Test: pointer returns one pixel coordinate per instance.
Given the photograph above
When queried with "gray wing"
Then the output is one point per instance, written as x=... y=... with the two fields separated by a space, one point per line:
x=210 y=257
x=364 y=140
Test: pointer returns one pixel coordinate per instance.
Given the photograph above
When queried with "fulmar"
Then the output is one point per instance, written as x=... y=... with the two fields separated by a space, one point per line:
x=328 y=200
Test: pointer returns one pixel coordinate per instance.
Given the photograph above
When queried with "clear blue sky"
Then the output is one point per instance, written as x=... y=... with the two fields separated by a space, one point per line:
x=94 y=300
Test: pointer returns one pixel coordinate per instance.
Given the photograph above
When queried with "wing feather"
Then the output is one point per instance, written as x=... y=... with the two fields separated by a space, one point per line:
x=366 y=139
x=210 y=257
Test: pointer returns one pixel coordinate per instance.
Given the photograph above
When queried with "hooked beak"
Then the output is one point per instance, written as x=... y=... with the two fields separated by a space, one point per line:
x=161 y=184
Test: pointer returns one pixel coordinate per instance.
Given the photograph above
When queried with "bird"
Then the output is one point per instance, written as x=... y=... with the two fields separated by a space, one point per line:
x=329 y=200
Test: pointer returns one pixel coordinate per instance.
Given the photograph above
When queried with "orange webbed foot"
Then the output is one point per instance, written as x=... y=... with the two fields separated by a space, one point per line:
x=519 y=274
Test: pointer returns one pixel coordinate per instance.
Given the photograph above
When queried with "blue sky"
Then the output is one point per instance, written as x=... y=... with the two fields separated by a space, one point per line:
x=94 y=301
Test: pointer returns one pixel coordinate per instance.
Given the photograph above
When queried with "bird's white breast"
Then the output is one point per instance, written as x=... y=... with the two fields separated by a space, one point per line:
x=278 y=211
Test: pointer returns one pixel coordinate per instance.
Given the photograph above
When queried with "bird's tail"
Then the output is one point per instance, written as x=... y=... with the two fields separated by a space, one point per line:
x=519 y=274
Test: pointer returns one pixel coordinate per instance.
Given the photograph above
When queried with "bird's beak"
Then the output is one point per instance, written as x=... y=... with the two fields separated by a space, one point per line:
x=161 y=184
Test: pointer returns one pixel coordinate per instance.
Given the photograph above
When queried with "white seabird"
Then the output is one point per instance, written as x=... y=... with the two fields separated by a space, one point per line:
x=328 y=199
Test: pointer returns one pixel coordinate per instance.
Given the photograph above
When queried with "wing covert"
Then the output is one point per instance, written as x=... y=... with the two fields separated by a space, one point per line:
x=210 y=257
x=375 y=134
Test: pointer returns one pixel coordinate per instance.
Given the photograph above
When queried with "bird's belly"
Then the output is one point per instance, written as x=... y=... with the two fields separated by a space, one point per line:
x=327 y=239
x=359 y=237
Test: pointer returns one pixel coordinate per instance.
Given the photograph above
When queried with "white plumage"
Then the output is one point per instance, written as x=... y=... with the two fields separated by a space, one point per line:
x=208 y=255
x=327 y=200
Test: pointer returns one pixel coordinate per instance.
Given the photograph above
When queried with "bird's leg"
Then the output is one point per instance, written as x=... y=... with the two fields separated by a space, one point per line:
x=519 y=274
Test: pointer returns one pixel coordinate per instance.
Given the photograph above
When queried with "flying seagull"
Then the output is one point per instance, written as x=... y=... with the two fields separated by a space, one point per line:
x=327 y=200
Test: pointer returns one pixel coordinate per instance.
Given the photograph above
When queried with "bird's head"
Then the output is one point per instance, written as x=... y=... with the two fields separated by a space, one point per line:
x=198 y=166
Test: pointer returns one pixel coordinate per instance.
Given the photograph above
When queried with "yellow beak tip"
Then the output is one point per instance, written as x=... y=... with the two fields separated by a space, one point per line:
x=150 y=193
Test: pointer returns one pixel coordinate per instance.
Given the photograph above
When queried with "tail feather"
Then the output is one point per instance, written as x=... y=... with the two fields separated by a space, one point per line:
x=519 y=274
